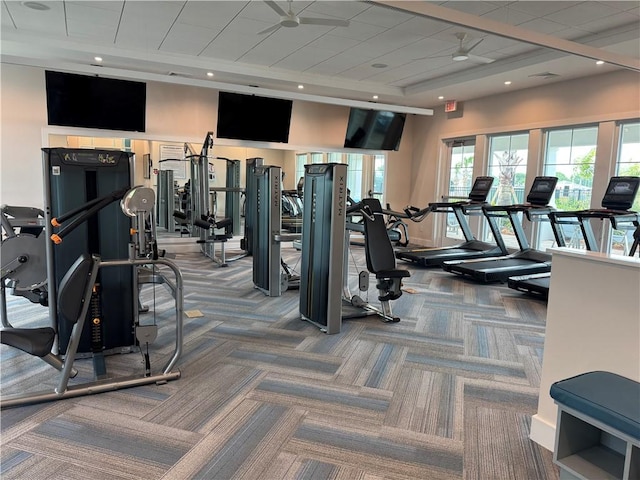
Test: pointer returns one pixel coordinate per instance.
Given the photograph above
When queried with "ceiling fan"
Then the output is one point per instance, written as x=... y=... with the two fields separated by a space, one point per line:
x=463 y=51
x=290 y=19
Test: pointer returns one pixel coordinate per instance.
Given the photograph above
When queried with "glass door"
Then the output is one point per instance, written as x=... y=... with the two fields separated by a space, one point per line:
x=461 y=159
x=508 y=166
x=628 y=164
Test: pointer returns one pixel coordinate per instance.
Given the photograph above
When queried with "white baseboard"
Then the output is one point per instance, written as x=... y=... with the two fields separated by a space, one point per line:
x=543 y=433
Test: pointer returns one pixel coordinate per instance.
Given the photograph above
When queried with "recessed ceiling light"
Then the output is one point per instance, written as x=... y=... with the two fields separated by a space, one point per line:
x=379 y=65
x=440 y=97
x=375 y=97
x=35 y=6
x=300 y=87
x=97 y=59
x=600 y=62
x=508 y=82
x=210 y=74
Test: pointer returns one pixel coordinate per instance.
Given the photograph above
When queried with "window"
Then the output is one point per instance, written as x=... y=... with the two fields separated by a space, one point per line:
x=628 y=164
x=570 y=155
x=365 y=173
x=460 y=181
x=334 y=157
x=301 y=161
x=354 y=175
x=508 y=166
x=461 y=175
x=378 y=177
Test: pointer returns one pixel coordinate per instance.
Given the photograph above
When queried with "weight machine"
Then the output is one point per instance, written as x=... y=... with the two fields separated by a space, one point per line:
x=93 y=276
x=81 y=296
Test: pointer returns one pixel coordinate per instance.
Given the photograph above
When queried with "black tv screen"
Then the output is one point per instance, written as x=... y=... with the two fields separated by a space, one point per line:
x=95 y=102
x=250 y=117
x=374 y=129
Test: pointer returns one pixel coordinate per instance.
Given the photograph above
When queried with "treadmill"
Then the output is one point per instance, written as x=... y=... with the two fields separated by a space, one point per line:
x=527 y=260
x=470 y=248
x=617 y=201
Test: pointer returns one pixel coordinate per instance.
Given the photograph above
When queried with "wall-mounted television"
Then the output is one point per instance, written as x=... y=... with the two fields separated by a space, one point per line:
x=250 y=117
x=374 y=129
x=95 y=102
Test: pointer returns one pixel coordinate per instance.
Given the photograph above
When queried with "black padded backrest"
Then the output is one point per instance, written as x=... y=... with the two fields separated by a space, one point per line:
x=73 y=288
x=378 y=248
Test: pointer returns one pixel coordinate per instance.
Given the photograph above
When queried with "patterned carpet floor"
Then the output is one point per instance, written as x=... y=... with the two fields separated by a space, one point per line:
x=446 y=393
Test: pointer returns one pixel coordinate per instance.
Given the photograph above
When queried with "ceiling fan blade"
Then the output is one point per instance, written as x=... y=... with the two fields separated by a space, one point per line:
x=270 y=29
x=470 y=46
x=479 y=59
x=330 y=22
x=276 y=8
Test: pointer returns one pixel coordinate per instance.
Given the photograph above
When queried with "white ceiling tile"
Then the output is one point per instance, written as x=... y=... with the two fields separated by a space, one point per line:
x=210 y=14
x=393 y=38
x=426 y=48
x=5 y=18
x=336 y=64
x=542 y=25
x=145 y=24
x=583 y=13
x=383 y=17
x=333 y=43
x=359 y=31
x=630 y=6
x=93 y=20
x=509 y=16
x=269 y=52
x=541 y=8
x=187 y=39
x=424 y=26
x=50 y=21
x=622 y=18
x=304 y=59
x=474 y=7
x=341 y=9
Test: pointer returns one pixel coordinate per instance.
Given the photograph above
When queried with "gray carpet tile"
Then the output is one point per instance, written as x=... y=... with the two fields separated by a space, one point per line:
x=446 y=393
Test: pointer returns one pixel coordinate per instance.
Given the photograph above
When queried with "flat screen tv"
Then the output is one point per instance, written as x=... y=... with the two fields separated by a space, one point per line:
x=374 y=129
x=250 y=117
x=95 y=102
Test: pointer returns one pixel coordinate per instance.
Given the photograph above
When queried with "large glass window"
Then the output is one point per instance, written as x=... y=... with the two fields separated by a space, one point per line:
x=378 y=177
x=570 y=155
x=628 y=164
x=508 y=166
x=460 y=181
x=354 y=175
x=301 y=161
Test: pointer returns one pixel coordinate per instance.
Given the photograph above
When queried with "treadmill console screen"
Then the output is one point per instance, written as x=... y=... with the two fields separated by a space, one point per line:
x=621 y=193
x=542 y=190
x=480 y=189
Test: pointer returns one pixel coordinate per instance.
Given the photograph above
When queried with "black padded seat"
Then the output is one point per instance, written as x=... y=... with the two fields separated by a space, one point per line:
x=381 y=259
x=72 y=290
x=609 y=398
x=34 y=341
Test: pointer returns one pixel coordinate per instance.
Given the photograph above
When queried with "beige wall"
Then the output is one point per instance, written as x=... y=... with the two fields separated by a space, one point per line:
x=414 y=174
x=175 y=114
x=594 y=100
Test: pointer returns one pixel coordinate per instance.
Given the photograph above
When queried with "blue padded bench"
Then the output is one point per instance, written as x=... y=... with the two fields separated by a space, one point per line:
x=598 y=428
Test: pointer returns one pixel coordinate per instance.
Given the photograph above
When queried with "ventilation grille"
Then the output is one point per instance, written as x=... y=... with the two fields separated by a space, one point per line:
x=545 y=75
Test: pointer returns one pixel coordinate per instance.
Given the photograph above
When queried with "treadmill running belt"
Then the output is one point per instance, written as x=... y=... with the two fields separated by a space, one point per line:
x=537 y=284
x=498 y=270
